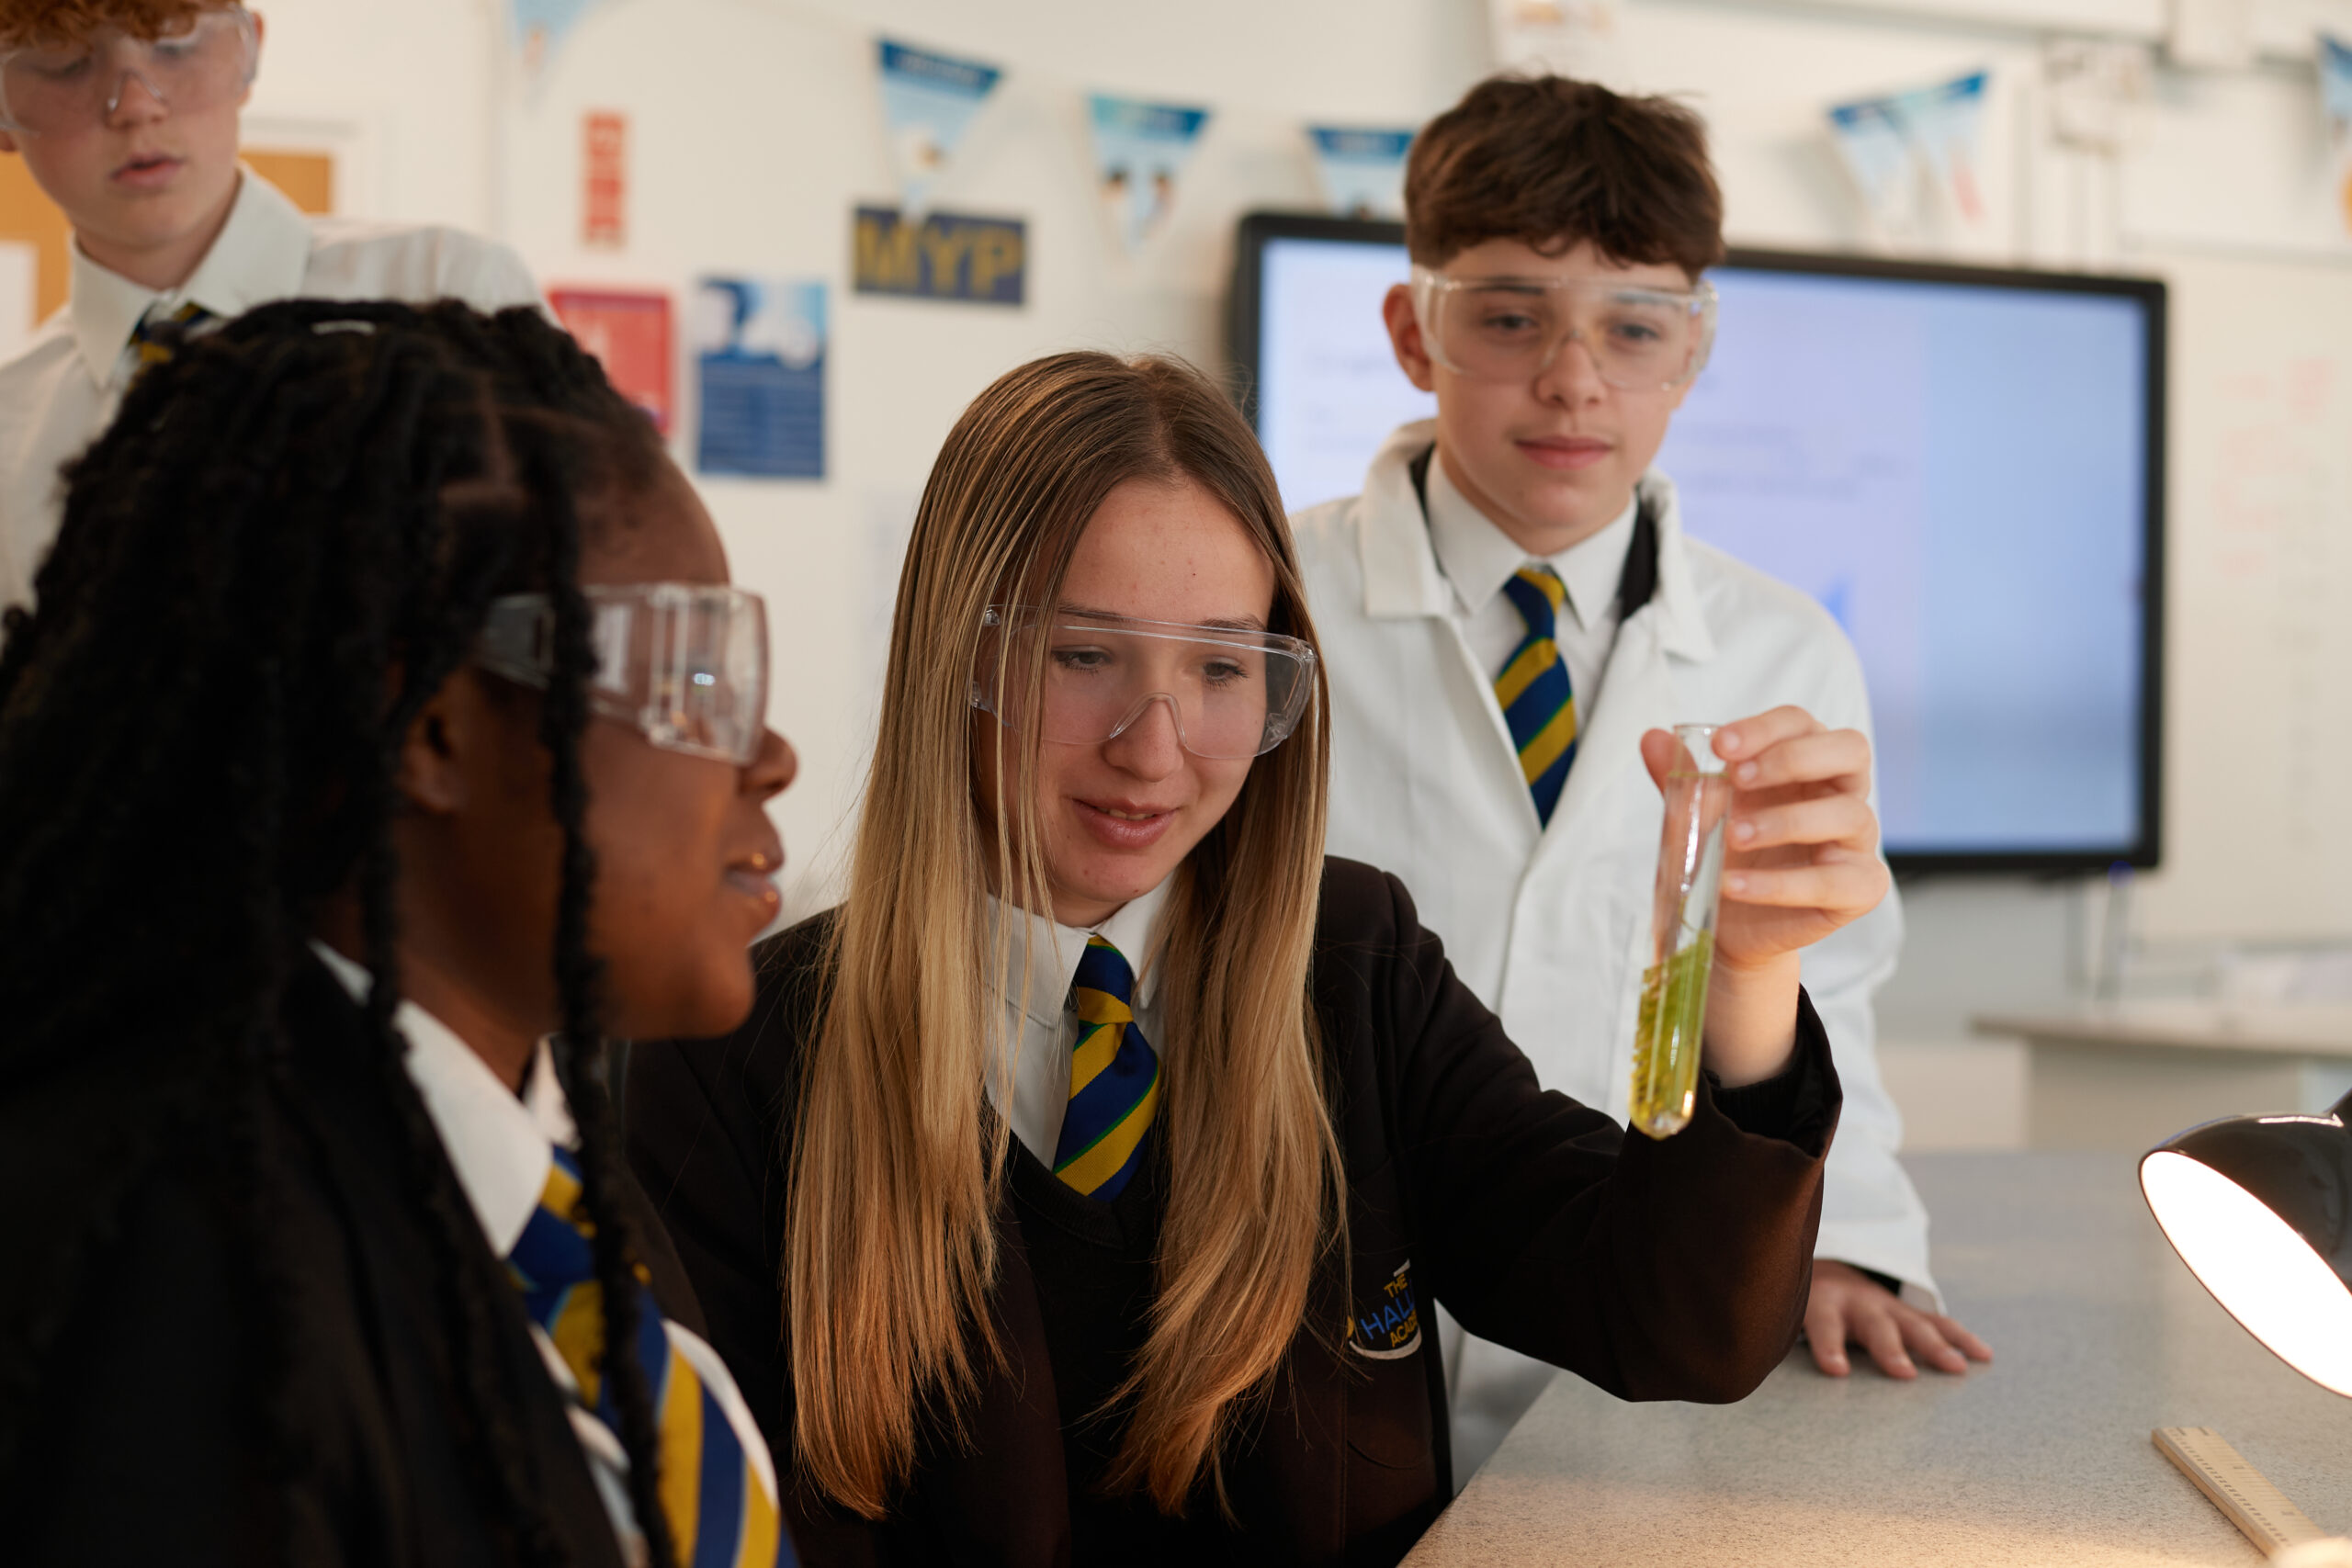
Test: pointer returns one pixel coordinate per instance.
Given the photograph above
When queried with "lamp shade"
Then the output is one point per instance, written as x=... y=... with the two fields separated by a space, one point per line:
x=2260 y=1209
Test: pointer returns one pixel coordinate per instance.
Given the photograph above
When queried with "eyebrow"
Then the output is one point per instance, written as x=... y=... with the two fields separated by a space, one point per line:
x=1220 y=623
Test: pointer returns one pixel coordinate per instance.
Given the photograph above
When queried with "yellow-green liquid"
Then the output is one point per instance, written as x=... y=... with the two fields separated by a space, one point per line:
x=1667 y=1039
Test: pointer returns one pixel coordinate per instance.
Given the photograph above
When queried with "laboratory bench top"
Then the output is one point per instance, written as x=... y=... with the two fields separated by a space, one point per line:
x=2284 y=1029
x=2044 y=1457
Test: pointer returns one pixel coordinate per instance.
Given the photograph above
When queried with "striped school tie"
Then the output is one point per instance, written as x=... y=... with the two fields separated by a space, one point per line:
x=158 y=336
x=1533 y=690
x=719 y=1511
x=1113 y=1079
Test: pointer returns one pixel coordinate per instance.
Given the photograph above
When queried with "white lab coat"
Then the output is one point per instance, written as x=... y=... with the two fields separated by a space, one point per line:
x=1549 y=925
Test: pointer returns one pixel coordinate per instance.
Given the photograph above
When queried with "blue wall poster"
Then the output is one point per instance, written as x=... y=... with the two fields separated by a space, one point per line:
x=940 y=255
x=758 y=347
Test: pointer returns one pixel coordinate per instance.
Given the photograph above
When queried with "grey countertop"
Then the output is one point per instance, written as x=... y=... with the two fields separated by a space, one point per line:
x=2044 y=1457
x=2277 y=1029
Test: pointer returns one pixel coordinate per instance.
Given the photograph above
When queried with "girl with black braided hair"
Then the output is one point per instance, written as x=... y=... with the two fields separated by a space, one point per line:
x=386 y=734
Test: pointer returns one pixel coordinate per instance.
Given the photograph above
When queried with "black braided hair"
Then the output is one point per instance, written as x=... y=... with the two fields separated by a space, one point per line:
x=285 y=543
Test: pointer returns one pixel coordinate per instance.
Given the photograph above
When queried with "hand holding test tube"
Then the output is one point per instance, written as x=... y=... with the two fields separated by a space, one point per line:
x=1799 y=859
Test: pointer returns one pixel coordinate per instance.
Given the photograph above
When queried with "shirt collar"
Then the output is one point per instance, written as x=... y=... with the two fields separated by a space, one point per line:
x=1478 y=557
x=1402 y=579
x=498 y=1144
x=260 y=254
x=1052 y=951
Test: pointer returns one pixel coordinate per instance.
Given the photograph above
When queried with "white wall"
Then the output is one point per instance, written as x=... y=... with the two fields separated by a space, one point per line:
x=755 y=130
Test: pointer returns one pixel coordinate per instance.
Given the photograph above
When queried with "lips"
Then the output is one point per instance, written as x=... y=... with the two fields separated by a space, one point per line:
x=1125 y=824
x=1567 y=452
x=147 y=169
x=753 y=876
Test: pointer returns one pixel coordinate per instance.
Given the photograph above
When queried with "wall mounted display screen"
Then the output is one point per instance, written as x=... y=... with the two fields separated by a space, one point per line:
x=1964 y=466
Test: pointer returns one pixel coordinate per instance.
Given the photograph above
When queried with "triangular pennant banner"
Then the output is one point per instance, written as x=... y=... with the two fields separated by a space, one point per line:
x=2336 y=98
x=928 y=102
x=540 y=28
x=1362 y=171
x=1945 y=122
x=1139 y=150
x=1892 y=145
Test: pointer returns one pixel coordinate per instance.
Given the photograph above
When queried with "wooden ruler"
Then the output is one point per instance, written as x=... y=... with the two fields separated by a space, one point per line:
x=2239 y=1490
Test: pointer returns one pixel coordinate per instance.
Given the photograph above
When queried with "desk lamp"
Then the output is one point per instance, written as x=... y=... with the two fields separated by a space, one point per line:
x=2260 y=1209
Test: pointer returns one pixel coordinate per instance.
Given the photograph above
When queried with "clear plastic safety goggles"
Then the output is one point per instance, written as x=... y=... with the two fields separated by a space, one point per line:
x=686 y=663
x=1512 y=328
x=49 y=88
x=1233 y=693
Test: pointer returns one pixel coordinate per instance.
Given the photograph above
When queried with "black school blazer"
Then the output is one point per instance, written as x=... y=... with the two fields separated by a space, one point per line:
x=1658 y=1270
x=139 y=1449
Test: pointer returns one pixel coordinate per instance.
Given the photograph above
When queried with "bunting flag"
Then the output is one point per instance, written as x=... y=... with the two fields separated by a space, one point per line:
x=1139 y=150
x=2097 y=90
x=1878 y=158
x=540 y=27
x=2336 y=99
x=928 y=102
x=1921 y=143
x=1947 y=123
x=1583 y=38
x=1362 y=171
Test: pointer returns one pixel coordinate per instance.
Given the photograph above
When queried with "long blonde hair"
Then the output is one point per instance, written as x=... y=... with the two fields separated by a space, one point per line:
x=897 y=1166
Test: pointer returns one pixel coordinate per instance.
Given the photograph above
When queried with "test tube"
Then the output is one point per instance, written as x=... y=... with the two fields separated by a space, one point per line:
x=1682 y=926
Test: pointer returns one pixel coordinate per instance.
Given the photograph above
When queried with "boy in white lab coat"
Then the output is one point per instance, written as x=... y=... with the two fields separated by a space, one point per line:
x=125 y=113
x=1558 y=232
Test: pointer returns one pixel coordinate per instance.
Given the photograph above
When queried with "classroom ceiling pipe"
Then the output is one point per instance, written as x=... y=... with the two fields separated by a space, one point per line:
x=2260 y=1209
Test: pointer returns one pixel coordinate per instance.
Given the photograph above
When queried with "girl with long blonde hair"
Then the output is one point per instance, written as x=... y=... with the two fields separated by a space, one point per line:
x=1077 y=1188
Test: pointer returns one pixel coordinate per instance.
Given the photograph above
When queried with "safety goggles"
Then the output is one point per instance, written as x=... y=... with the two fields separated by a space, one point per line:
x=1232 y=693
x=50 y=88
x=686 y=663
x=1512 y=328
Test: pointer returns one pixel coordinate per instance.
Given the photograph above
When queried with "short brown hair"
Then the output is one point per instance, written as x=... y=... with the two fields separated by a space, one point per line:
x=1551 y=161
x=70 y=21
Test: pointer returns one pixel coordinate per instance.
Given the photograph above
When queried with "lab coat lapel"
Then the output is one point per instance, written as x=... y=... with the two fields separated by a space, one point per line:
x=1402 y=580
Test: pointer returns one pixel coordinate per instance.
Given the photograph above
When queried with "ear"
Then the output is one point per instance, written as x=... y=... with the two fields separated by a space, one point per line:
x=431 y=771
x=261 y=36
x=1405 y=336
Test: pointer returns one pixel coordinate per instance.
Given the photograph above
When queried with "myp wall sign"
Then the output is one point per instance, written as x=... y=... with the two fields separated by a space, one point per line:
x=940 y=255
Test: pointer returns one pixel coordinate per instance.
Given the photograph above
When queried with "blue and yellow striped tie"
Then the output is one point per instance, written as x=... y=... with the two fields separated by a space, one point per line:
x=158 y=337
x=720 y=1510
x=1113 y=1079
x=1533 y=690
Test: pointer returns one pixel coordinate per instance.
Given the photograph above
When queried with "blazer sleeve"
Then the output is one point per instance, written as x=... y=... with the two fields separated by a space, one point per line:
x=139 y=1444
x=1673 y=1268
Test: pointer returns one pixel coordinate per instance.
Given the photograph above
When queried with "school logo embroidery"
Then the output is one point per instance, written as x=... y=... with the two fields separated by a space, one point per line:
x=1391 y=1328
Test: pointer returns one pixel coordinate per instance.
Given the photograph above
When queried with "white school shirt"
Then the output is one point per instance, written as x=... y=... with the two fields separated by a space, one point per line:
x=499 y=1144
x=1478 y=557
x=61 y=392
x=1040 y=1023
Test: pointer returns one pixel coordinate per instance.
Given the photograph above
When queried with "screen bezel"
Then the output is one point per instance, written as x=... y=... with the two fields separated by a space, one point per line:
x=2143 y=852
